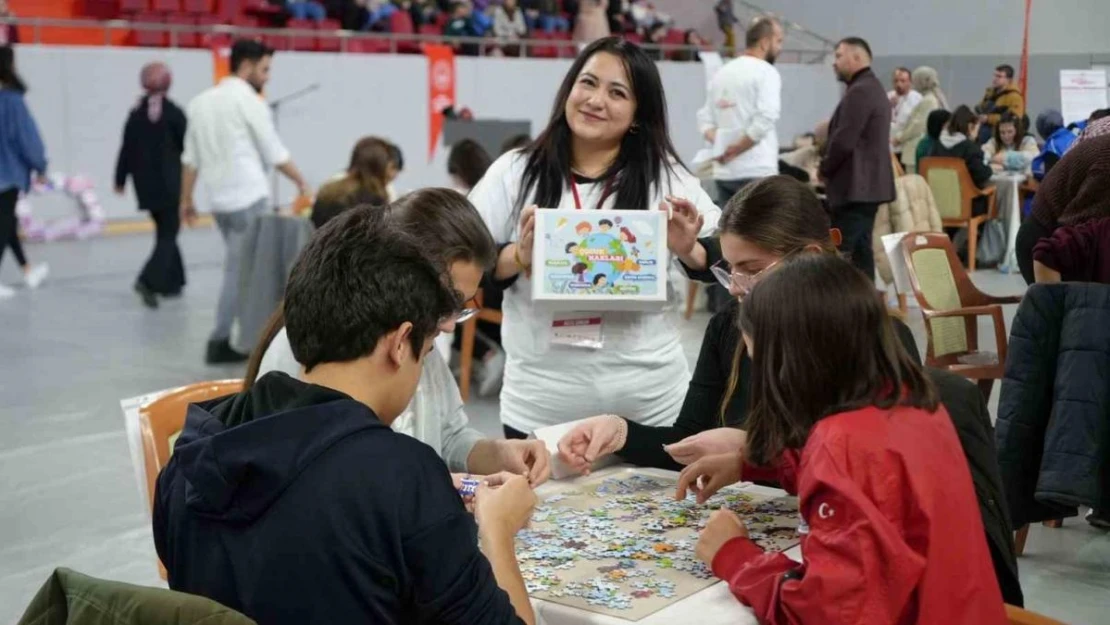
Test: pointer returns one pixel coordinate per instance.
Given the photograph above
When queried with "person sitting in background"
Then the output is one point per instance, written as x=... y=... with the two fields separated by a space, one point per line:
x=515 y=142
x=726 y=21
x=544 y=15
x=424 y=12
x=378 y=13
x=1057 y=139
x=1098 y=124
x=294 y=501
x=592 y=22
x=1001 y=98
x=845 y=418
x=461 y=24
x=806 y=155
x=906 y=140
x=695 y=43
x=9 y=33
x=1075 y=254
x=934 y=125
x=306 y=10
x=958 y=140
x=364 y=182
x=1011 y=148
x=656 y=36
x=509 y=25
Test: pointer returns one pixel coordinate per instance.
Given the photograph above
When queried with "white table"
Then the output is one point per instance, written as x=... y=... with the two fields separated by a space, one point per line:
x=1009 y=208
x=711 y=606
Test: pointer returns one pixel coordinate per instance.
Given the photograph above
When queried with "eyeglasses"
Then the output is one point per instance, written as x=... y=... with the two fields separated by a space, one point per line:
x=739 y=281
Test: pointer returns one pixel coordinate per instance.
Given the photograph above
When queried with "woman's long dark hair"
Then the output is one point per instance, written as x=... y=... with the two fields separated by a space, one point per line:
x=780 y=215
x=646 y=151
x=9 y=78
x=366 y=175
x=823 y=344
x=441 y=220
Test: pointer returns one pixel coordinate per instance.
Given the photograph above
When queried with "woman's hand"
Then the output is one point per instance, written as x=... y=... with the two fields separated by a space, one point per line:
x=591 y=439
x=683 y=225
x=526 y=237
x=707 y=443
x=709 y=475
x=529 y=458
x=999 y=158
x=723 y=526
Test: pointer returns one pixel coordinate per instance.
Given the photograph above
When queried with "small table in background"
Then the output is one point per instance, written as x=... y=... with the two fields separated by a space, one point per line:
x=1009 y=210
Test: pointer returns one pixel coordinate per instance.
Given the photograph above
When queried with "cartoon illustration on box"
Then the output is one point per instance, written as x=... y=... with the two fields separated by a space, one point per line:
x=600 y=254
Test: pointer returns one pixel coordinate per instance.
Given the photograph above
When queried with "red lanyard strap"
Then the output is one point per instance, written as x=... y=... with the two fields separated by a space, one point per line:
x=578 y=200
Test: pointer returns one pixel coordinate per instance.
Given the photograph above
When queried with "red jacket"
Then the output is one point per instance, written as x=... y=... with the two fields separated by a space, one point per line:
x=895 y=534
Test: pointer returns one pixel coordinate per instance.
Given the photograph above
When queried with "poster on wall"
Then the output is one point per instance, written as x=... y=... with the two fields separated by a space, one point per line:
x=1082 y=91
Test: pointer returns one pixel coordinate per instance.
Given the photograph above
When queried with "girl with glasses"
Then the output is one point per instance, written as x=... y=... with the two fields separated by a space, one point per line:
x=440 y=219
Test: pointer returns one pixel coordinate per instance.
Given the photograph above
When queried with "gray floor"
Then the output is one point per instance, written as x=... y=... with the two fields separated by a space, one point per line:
x=73 y=349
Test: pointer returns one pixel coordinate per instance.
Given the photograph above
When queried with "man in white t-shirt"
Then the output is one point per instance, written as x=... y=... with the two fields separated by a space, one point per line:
x=230 y=144
x=745 y=101
x=903 y=99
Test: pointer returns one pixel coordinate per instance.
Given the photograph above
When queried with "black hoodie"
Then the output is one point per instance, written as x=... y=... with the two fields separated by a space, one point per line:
x=292 y=503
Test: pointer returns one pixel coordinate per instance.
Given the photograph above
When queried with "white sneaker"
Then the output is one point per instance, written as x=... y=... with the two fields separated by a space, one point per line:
x=36 y=275
x=6 y=292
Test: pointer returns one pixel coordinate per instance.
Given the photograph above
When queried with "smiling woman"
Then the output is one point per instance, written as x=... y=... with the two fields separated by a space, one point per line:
x=605 y=146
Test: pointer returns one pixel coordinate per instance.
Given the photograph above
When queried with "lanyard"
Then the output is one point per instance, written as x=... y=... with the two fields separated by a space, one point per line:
x=604 y=193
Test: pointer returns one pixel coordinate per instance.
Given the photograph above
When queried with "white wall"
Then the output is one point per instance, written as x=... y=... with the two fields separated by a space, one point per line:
x=81 y=96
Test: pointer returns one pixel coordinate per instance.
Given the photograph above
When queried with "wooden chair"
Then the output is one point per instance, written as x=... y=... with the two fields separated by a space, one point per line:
x=955 y=193
x=950 y=305
x=1021 y=534
x=1018 y=616
x=161 y=421
x=899 y=170
x=469 y=335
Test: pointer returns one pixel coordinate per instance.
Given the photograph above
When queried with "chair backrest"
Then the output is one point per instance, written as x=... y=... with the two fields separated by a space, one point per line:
x=1018 y=616
x=951 y=183
x=161 y=421
x=935 y=274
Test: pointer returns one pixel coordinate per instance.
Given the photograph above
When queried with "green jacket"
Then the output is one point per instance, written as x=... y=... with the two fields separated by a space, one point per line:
x=70 y=598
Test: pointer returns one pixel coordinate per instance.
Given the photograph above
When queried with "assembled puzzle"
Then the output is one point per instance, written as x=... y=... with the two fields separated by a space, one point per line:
x=600 y=260
x=622 y=546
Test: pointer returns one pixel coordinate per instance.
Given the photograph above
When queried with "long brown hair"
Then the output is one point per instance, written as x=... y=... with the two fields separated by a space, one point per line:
x=782 y=216
x=366 y=174
x=442 y=220
x=823 y=344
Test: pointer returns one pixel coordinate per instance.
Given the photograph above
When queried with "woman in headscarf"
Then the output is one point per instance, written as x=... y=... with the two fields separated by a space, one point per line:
x=153 y=140
x=925 y=82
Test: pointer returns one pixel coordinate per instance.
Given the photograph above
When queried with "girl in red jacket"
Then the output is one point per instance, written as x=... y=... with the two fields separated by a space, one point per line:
x=851 y=424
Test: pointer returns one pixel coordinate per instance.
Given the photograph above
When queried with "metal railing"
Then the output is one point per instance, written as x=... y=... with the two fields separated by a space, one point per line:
x=397 y=42
x=809 y=40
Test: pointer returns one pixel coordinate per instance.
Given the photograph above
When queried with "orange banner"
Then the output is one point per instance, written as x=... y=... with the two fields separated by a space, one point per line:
x=441 y=90
x=221 y=62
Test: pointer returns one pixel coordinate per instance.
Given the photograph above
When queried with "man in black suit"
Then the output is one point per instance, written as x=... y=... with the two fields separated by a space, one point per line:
x=857 y=167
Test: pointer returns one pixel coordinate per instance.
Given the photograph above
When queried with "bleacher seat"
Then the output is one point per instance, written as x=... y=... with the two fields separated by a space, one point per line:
x=277 y=42
x=368 y=45
x=244 y=21
x=545 y=51
x=400 y=23
x=430 y=29
x=148 y=37
x=190 y=39
x=101 y=9
x=675 y=37
x=567 y=49
x=198 y=7
x=229 y=10
x=211 y=39
x=166 y=6
x=130 y=7
x=302 y=43
x=327 y=41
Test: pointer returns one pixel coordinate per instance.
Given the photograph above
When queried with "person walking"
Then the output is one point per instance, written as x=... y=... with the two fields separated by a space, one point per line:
x=858 y=170
x=21 y=152
x=153 y=139
x=229 y=145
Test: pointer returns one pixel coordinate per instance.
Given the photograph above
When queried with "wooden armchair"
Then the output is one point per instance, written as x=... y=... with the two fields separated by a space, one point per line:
x=161 y=421
x=955 y=193
x=469 y=335
x=950 y=304
x=1018 y=616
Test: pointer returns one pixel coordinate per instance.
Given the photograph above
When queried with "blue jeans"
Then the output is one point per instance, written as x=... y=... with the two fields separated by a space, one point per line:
x=233 y=228
x=307 y=11
x=549 y=23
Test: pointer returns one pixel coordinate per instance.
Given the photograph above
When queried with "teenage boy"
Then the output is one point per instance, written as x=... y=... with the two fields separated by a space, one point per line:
x=295 y=502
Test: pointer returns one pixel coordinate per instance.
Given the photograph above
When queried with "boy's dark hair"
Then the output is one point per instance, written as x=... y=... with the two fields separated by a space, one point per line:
x=397 y=156
x=598 y=278
x=936 y=122
x=468 y=161
x=446 y=224
x=248 y=50
x=962 y=120
x=760 y=29
x=1006 y=69
x=605 y=222
x=1099 y=114
x=358 y=279
x=570 y=245
x=858 y=42
x=823 y=343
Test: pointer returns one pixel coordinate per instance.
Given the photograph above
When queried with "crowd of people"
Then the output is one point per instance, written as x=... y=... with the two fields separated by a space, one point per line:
x=270 y=504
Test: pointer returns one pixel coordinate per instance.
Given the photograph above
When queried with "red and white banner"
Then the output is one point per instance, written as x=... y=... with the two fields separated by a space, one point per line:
x=441 y=90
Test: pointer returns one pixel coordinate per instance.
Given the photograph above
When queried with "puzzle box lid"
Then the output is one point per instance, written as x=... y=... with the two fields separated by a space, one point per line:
x=600 y=259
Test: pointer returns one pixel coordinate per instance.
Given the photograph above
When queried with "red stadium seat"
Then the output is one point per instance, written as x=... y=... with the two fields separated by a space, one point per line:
x=302 y=42
x=198 y=7
x=277 y=42
x=568 y=49
x=544 y=51
x=400 y=23
x=156 y=38
x=368 y=45
x=190 y=39
x=127 y=7
x=229 y=10
x=328 y=41
x=166 y=6
x=211 y=39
